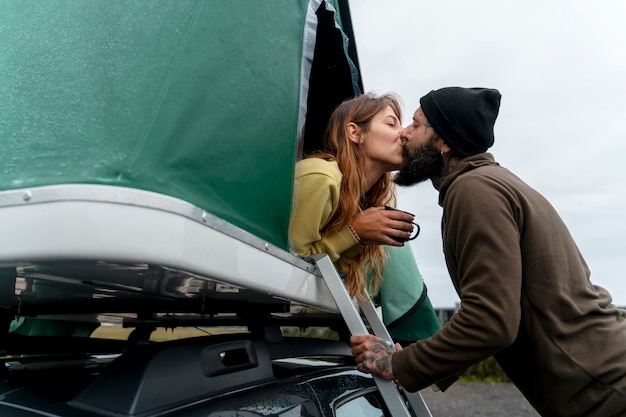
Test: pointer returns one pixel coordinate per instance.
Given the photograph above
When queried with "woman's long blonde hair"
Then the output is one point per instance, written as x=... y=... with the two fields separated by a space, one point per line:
x=355 y=196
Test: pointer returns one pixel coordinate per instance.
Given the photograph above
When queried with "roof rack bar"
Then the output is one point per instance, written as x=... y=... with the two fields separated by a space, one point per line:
x=393 y=397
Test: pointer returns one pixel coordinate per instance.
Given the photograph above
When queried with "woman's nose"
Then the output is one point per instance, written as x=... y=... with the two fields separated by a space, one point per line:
x=404 y=138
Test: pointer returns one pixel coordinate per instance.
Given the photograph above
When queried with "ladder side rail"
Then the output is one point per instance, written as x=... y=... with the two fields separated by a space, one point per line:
x=379 y=329
x=392 y=397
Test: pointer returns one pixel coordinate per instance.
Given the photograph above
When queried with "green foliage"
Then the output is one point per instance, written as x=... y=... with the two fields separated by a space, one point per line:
x=314 y=332
x=485 y=371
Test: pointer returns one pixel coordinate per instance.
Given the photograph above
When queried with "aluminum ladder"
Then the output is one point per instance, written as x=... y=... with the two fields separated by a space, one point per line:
x=395 y=397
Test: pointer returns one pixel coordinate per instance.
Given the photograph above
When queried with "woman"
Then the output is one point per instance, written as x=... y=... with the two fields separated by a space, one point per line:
x=339 y=199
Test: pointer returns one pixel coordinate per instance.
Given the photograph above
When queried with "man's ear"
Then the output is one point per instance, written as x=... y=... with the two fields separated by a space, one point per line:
x=444 y=147
x=354 y=132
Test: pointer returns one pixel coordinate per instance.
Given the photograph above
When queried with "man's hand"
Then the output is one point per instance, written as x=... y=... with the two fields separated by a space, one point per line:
x=373 y=355
x=377 y=226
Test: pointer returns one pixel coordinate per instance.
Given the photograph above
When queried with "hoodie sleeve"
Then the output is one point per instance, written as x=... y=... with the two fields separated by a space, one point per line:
x=482 y=249
x=316 y=197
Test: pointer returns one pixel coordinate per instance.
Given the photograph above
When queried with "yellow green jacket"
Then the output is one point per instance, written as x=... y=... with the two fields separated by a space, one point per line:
x=406 y=309
x=316 y=197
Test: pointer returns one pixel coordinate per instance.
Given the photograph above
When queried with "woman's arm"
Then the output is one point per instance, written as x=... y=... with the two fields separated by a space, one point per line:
x=316 y=196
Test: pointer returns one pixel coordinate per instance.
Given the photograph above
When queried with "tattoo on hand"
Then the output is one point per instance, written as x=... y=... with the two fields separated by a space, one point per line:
x=382 y=366
x=379 y=347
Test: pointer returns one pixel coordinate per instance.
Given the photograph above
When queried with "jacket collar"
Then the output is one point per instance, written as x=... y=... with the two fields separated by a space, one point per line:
x=464 y=165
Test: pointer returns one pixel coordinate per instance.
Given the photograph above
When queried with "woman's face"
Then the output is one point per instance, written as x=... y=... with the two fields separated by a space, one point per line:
x=382 y=143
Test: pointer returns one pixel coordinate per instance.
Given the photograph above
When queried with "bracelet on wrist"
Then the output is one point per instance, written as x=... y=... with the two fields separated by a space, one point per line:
x=356 y=235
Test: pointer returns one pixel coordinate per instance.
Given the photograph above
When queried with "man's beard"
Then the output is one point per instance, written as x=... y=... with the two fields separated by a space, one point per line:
x=419 y=165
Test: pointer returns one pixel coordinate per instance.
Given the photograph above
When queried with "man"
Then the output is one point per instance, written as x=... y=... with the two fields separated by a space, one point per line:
x=525 y=292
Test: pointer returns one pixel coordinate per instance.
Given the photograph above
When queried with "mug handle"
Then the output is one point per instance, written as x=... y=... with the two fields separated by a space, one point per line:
x=416 y=231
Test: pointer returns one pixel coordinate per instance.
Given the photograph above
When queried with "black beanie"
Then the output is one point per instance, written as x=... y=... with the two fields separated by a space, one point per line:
x=463 y=117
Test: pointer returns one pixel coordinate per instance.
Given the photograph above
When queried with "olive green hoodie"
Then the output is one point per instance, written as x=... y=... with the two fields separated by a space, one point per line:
x=526 y=298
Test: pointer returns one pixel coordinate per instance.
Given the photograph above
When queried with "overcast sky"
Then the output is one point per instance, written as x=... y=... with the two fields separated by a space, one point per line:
x=561 y=68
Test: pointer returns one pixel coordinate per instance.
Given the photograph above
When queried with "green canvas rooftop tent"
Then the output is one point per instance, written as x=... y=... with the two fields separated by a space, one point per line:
x=148 y=154
x=207 y=101
x=150 y=145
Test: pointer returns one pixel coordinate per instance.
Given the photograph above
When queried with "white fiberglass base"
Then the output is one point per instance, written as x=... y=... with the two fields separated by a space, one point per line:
x=116 y=224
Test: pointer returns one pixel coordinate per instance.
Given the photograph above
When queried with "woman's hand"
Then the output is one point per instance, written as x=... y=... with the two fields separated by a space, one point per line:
x=377 y=226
